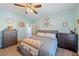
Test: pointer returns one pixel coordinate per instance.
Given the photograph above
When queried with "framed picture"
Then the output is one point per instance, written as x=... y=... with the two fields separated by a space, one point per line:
x=65 y=24
x=21 y=24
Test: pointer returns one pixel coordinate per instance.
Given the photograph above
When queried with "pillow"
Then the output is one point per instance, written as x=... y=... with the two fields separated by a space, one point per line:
x=40 y=34
x=51 y=35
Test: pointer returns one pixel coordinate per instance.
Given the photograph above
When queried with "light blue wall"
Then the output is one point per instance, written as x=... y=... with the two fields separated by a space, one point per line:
x=4 y=14
x=57 y=19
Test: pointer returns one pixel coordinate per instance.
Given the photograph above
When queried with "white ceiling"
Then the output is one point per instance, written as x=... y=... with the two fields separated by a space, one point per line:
x=46 y=9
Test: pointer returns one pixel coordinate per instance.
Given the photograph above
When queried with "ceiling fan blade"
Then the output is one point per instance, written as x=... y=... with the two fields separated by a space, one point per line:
x=19 y=5
x=35 y=11
x=37 y=6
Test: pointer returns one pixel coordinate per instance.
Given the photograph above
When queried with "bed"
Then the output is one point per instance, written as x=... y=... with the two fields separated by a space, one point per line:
x=47 y=47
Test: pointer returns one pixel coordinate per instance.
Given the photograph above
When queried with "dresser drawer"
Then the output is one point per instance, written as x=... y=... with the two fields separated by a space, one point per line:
x=67 y=41
x=9 y=38
x=9 y=43
x=7 y=34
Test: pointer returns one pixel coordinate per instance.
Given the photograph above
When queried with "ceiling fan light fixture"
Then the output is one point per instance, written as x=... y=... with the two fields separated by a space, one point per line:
x=29 y=10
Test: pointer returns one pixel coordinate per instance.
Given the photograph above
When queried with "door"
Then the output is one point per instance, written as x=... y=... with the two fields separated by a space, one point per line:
x=28 y=30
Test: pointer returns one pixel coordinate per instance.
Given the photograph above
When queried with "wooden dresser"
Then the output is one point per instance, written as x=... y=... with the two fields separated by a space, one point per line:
x=68 y=41
x=9 y=38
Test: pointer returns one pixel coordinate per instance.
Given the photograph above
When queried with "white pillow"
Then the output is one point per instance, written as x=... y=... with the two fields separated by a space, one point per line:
x=40 y=34
x=51 y=35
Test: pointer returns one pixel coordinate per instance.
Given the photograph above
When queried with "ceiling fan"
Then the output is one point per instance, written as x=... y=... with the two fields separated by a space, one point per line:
x=30 y=7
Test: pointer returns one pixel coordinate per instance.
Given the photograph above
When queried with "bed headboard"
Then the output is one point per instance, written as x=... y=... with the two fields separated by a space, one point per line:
x=48 y=31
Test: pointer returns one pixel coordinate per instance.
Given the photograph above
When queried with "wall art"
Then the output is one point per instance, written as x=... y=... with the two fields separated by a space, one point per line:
x=21 y=24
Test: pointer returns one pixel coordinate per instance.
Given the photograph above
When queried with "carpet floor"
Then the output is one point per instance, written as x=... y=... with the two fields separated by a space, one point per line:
x=12 y=51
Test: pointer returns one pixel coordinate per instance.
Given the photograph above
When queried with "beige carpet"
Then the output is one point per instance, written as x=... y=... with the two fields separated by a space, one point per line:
x=12 y=51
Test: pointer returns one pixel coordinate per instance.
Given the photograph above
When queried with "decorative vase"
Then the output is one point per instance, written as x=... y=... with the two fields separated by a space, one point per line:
x=9 y=28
